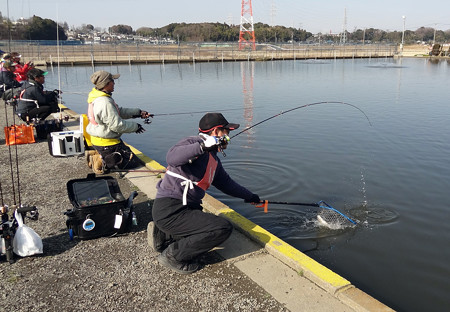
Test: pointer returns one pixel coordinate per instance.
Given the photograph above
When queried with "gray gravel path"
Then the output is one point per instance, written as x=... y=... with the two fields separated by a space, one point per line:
x=106 y=274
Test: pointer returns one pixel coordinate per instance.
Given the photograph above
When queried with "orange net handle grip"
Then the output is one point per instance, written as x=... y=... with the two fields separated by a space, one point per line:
x=265 y=205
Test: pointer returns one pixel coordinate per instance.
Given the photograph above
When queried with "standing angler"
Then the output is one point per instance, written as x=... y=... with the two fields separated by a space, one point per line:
x=181 y=230
x=107 y=123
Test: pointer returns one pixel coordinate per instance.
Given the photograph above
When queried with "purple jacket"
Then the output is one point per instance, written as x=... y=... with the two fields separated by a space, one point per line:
x=178 y=158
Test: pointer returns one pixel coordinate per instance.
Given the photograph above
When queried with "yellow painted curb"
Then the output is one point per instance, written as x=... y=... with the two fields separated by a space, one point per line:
x=268 y=239
x=149 y=163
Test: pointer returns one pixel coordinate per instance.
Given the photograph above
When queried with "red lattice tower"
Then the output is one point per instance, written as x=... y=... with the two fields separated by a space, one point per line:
x=247 y=32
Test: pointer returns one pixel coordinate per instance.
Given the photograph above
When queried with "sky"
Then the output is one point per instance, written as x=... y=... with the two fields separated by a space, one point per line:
x=326 y=16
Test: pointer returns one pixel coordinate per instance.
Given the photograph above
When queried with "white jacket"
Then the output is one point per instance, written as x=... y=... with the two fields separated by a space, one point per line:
x=110 y=119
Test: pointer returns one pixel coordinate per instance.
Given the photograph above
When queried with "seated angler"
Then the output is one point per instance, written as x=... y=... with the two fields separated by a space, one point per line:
x=107 y=123
x=34 y=102
x=9 y=86
x=22 y=69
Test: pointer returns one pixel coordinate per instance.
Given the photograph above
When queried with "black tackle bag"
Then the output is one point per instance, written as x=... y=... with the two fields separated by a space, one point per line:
x=99 y=208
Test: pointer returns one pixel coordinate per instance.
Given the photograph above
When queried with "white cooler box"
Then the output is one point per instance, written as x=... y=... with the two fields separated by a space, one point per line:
x=66 y=143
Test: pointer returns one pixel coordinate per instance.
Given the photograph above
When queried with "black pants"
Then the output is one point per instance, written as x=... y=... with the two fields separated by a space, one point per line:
x=119 y=156
x=196 y=231
x=41 y=112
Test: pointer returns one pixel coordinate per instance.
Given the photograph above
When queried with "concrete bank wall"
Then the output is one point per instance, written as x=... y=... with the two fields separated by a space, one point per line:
x=97 y=54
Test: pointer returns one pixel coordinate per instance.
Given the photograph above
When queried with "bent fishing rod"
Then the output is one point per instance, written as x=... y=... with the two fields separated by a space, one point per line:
x=299 y=107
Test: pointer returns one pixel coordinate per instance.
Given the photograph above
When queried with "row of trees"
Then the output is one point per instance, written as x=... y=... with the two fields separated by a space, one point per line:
x=37 y=28
x=217 y=32
x=264 y=33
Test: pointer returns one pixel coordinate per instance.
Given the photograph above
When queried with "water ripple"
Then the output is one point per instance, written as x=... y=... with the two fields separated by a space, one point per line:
x=268 y=179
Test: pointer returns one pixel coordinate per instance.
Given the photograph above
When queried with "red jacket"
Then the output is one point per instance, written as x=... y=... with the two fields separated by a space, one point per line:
x=21 y=71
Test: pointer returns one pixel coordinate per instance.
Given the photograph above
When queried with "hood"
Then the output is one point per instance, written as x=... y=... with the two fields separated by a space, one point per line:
x=95 y=94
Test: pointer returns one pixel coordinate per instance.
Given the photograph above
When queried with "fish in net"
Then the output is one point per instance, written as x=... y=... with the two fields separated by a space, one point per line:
x=330 y=217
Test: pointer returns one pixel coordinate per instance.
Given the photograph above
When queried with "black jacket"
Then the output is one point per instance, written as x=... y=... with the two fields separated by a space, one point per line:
x=32 y=92
x=7 y=80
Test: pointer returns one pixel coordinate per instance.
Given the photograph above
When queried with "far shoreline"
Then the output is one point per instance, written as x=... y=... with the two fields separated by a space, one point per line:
x=109 y=54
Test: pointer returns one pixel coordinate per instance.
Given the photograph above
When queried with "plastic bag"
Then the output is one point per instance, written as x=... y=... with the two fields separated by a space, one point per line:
x=26 y=241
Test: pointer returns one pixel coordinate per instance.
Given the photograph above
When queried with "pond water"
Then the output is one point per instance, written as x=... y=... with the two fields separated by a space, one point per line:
x=390 y=171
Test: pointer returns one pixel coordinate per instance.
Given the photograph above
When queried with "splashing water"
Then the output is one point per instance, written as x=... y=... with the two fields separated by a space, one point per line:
x=363 y=188
x=332 y=220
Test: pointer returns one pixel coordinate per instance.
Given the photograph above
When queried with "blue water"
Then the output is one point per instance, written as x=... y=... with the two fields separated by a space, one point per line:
x=390 y=172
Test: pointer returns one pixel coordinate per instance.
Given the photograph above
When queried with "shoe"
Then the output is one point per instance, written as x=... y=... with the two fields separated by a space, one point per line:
x=168 y=261
x=157 y=239
x=88 y=154
x=97 y=164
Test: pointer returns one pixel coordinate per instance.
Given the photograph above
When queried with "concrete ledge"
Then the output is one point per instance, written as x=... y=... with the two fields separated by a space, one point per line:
x=360 y=301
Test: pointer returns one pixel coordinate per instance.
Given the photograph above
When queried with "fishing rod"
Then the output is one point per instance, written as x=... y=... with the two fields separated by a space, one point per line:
x=122 y=172
x=10 y=157
x=197 y=112
x=1 y=194
x=148 y=121
x=137 y=170
x=299 y=107
x=17 y=158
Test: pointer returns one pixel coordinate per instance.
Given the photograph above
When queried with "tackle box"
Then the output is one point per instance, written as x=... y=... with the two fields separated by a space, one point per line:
x=66 y=143
x=99 y=208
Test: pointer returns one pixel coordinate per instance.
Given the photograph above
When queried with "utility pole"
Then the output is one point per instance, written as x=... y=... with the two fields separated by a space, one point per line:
x=434 y=36
x=344 y=29
x=273 y=12
x=403 y=34
x=247 y=32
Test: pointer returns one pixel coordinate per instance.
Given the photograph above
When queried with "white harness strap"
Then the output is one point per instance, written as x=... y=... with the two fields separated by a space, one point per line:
x=27 y=100
x=188 y=184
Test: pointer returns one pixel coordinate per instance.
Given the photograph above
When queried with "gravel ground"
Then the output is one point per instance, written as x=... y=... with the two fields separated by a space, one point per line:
x=106 y=274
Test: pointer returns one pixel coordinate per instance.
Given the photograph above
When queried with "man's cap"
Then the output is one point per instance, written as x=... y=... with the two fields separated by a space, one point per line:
x=36 y=72
x=9 y=63
x=16 y=55
x=215 y=120
x=101 y=78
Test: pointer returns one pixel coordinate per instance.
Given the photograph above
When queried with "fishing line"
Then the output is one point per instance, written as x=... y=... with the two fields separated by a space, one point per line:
x=299 y=107
x=10 y=157
x=198 y=112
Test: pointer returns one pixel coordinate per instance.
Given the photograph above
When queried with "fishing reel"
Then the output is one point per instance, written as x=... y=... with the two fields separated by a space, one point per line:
x=32 y=210
x=223 y=142
x=147 y=120
x=13 y=101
